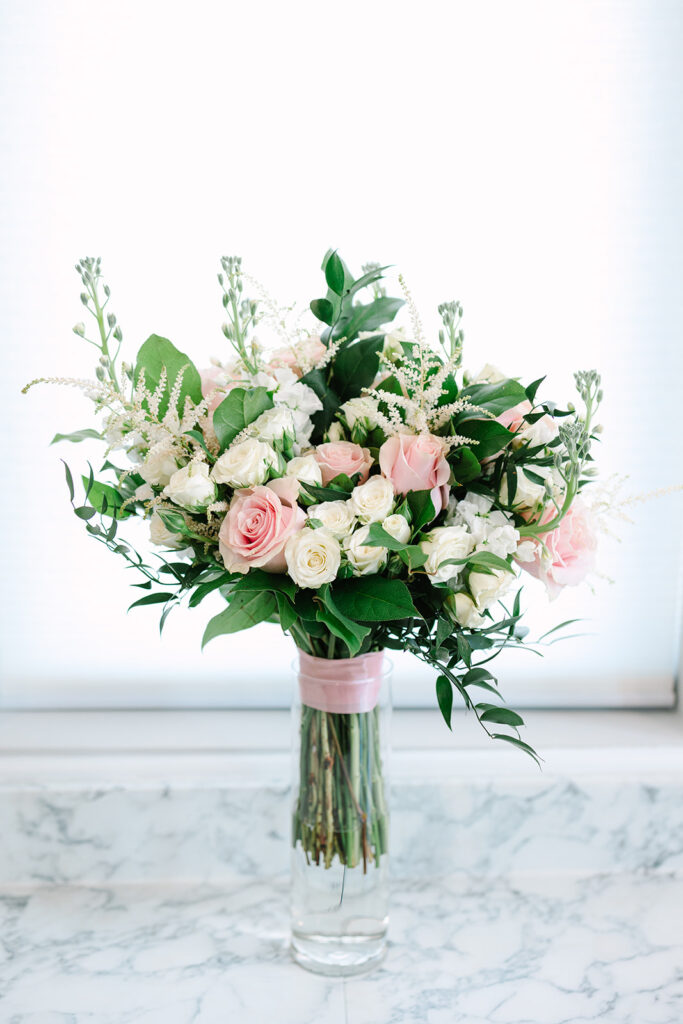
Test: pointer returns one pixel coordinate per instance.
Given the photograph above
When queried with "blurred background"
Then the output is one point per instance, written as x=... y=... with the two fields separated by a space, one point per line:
x=523 y=158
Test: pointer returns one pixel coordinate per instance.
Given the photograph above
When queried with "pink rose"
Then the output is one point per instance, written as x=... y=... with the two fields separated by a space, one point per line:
x=335 y=457
x=540 y=432
x=216 y=384
x=570 y=551
x=259 y=523
x=309 y=351
x=417 y=462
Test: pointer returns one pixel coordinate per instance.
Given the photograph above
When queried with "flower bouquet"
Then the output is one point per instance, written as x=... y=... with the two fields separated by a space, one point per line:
x=353 y=485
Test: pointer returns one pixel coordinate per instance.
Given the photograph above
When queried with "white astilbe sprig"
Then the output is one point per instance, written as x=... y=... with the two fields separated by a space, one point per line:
x=332 y=349
x=274 y=315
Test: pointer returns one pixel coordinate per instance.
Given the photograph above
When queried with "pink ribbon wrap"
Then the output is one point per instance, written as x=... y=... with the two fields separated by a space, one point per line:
x=344 y=686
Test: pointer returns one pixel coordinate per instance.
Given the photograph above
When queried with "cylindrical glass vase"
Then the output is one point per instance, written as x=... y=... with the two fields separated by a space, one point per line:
x=340 y=819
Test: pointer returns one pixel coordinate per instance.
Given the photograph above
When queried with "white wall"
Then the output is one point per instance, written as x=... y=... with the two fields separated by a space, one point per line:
x=525 y=158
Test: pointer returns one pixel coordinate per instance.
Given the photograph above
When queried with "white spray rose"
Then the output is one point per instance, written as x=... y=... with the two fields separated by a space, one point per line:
x=442 y=544
x=487 y=588
x=273 y=424
x=306 y=469
x=365 y=559
x=373 y=500
x=158 y=467
x=336 y=516
x=393 y=347
x=398 y=527
x=335 y=432
x=144 y=492
x=462 y=608
x=246 y=464
x=364 y=409
x=191 y=487
x=160 y=534
x=313 y=557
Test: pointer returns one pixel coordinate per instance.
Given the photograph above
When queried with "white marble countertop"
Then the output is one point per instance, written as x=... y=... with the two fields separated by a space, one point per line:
x=541 y=949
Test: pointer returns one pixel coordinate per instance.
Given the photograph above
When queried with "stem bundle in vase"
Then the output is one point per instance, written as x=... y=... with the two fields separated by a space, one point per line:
x=341 y=809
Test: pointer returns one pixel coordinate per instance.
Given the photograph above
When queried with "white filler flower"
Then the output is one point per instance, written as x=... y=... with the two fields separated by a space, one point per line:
x=313 y=557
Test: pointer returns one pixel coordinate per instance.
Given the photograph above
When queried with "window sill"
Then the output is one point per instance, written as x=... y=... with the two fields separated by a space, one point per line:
x=251 y=747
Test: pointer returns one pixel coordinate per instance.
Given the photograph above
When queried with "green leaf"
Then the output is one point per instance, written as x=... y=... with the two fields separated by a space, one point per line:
x=334 y=274
x=286 y=611
x=258 y=579
x=78 y=435
x=476 y=675
x=106 y=499
x=204 y=589
x=501 y=716
x=374 y=599
x=487 y=560
x=325 y=493
x=245 y=610
x=533 y=388
x=69 y=480
x=520 y=744
x=151 y=599
x=562 y=625
x=495 y=398
x=355 y=366
x=413 y=556
x=240 y=408
x=444 y=695
x=378 y=537
x=340 y=625
x=369 y=317
x=85 y=512
x=157 y=353
x=323 y=310
x=317 y=380
x=366 y=279
x=490 y=435
x=444 y=629
x=421 y=508
x=173 y=521
x=465 y=465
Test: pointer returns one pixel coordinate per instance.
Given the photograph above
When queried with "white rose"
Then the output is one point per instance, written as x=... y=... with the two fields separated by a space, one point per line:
x=313 y=557
x=246 y=464
x=160 y=534
x=442 y=544
x=365 y=559
x=488 y=374
x=336 y=516
x=306 y=469
x=363 y=408
x=273 y=424
x=158 y=467
x=463 y=609
x=527 y=495
x=398 y=527
x=144 y=492
x=373 y=500
x=191 y=487
x=487 y=588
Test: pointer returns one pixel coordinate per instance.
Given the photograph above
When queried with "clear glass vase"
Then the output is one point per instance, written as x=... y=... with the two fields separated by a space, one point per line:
x=340 y=819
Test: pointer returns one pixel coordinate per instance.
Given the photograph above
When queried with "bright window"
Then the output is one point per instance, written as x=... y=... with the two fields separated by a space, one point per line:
x=525 y=159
